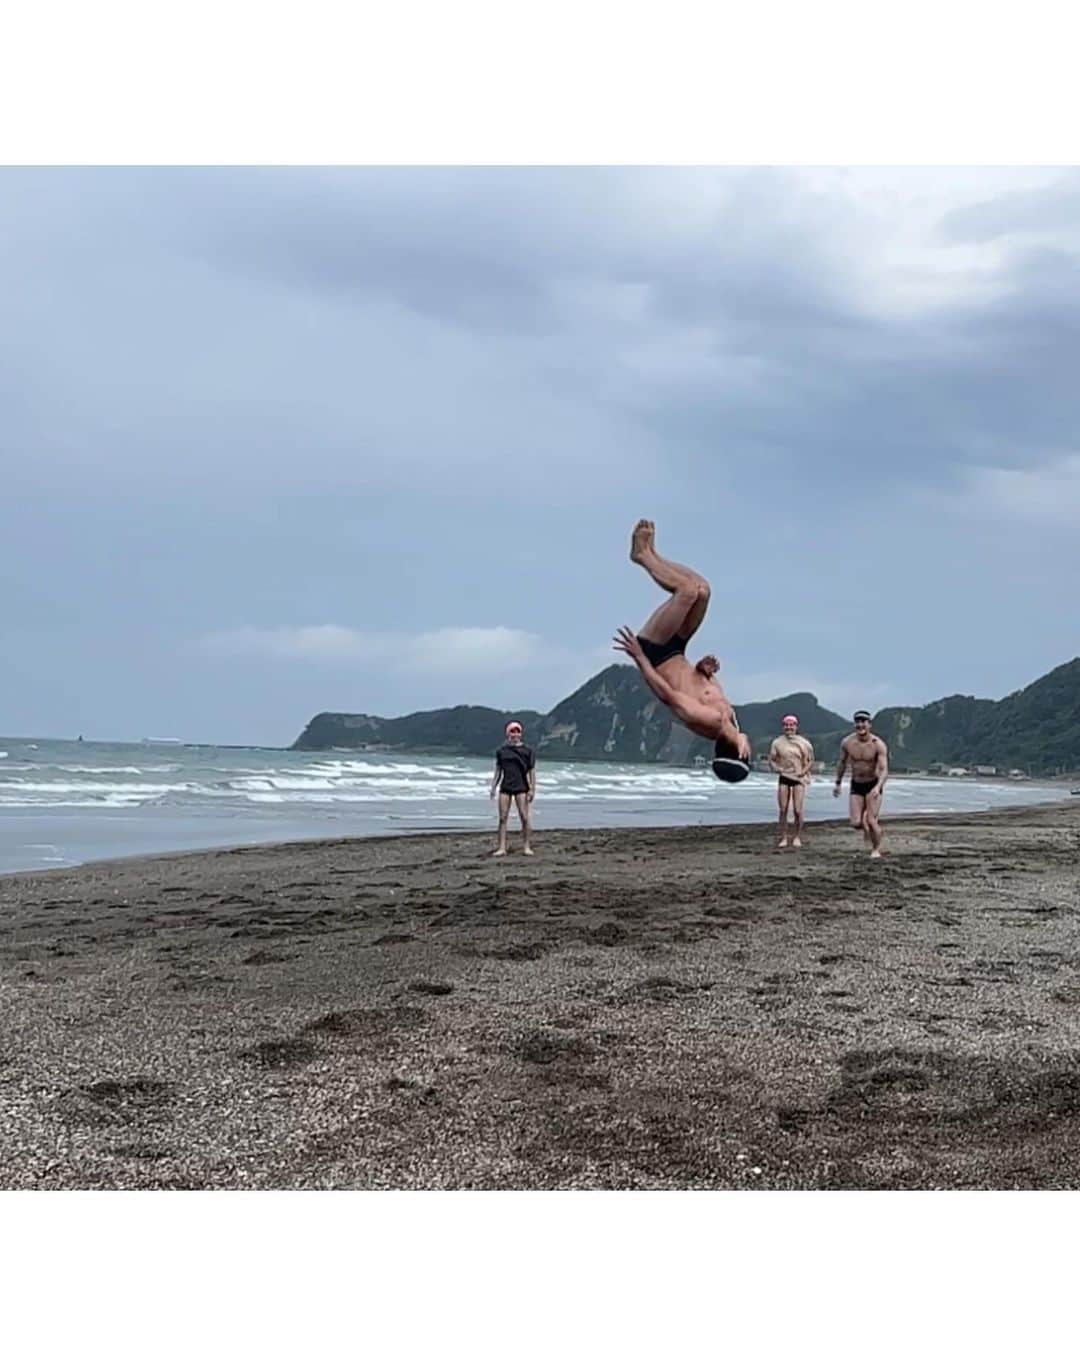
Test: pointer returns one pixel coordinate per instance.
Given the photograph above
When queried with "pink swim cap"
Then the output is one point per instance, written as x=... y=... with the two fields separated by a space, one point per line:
x=513 y=726
x=791 y=721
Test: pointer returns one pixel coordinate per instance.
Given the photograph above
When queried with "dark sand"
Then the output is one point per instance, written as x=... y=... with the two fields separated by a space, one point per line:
x=677 y=1008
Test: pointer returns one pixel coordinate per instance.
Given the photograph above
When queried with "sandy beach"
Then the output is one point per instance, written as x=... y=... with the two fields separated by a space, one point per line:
x=669 y=1008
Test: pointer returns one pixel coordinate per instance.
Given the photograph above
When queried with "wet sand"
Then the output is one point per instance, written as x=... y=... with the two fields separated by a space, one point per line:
x=670 y=1008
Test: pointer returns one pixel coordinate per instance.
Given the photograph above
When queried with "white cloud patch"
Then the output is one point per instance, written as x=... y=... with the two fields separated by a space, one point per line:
x=450 y=650
x=838 y=696
x=1048 y=495
x=396 y=673
x=909 y=249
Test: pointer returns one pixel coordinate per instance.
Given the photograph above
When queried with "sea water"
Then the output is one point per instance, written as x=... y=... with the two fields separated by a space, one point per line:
x=67 y=802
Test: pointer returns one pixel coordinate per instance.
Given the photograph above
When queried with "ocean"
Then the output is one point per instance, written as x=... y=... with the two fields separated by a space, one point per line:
x=69 y=802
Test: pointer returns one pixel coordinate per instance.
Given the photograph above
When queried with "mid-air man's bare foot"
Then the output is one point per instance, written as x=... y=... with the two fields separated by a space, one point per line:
x=499 y=853
x=643 y=540
x=528 y=852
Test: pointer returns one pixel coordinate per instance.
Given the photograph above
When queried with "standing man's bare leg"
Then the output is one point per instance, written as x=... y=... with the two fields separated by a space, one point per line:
x=783 y=798
x=874 y=832
x=856 y=813
x=798 y=797
x=683 y=613
x=524 y=810
x=504 y=816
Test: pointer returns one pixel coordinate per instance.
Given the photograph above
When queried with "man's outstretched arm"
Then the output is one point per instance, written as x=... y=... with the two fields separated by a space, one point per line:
x=881 y=767
x=626 y=641
x=841 y=769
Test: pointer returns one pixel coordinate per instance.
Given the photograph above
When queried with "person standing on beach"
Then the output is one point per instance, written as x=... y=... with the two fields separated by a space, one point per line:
x=868 y=756
x=693 y=693
x=515 y=781
x=792 y=757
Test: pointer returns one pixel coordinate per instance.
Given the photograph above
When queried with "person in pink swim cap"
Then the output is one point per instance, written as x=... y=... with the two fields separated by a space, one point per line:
x=515 y=780
x=792 y=757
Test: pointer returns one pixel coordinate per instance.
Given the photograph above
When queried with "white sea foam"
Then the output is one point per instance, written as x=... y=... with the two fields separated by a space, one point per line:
x=73 y=789
x=143 y=797
x=89 y=768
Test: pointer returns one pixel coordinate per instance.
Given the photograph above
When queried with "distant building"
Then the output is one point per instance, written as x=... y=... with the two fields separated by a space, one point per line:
x=986 y=770
x=957 y=773
x=1017 y=773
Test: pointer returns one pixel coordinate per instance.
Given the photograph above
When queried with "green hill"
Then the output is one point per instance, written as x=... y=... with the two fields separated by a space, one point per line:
x=940 y=733
x=1037 y=728
x=464 y=730
x=614 y=717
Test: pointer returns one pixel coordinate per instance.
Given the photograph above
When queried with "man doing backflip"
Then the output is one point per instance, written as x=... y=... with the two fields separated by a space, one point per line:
x=868 y=756
x=791 y=756
x=693 y=693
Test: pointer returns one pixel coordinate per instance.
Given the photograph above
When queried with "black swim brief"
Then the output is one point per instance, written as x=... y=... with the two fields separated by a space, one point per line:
x=656 y=653
x=863 y=789
x=785 y=781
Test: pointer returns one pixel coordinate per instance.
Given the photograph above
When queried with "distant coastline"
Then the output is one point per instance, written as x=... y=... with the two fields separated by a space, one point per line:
x=613 y=718
x=551 y=753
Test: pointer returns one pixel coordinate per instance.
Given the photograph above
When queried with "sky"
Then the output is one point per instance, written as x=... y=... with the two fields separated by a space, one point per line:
x=282 y=441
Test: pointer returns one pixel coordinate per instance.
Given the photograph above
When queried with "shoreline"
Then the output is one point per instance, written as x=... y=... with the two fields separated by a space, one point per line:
x=489 y=827
x=281 y=846
x=664 y=1007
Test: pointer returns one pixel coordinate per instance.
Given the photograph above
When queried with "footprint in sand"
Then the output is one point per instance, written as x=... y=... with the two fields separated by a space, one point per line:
x=281 y=1054
x=115 y=1101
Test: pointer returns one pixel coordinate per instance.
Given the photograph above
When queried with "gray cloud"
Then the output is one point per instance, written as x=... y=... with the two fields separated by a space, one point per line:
x=403 y=401
x=1047 y=209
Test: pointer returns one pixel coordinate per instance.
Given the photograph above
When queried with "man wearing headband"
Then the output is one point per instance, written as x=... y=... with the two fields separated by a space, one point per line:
x=693 y=693
x=515 y=779
x=868 y=756
x=792 y=757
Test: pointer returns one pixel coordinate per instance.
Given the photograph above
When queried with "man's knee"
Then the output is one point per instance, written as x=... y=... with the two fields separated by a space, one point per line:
x=856 y=824
x=694 y=590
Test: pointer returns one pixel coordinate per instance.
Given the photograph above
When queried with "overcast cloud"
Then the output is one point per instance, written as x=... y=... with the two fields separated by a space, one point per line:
x=283 y=441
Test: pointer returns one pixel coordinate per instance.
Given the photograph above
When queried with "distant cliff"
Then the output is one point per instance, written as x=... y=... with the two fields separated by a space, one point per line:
x=613 y=716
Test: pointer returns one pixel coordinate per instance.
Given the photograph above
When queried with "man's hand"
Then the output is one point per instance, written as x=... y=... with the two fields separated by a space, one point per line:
x=531 y=795
x=836 y=790
x=874 y=795
x=626 y=641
